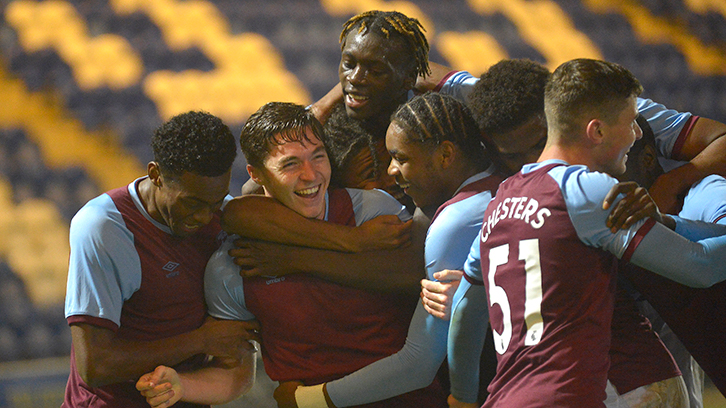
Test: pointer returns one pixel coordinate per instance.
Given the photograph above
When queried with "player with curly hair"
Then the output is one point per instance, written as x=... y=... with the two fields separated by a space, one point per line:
x=135 y=296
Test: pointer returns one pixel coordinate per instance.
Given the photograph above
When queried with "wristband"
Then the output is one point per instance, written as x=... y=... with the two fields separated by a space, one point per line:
x=311 y=397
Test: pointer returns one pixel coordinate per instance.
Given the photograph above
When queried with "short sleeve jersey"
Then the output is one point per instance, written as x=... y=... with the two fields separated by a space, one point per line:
x=549 y=263
x=128 y=273
x=456 y=223
x=706 y=200
x=314 y=330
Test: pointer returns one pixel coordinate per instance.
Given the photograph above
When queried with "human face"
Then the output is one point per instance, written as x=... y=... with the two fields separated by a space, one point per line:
x=521 y=145
x=415 y=169
x=361 y=172
x=187 y=203
x=617 y=139
x=297 y=174
x=373 y=76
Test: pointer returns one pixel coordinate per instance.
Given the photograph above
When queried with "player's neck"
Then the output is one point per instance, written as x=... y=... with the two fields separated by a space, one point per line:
x=568 y=153
x=146 y=190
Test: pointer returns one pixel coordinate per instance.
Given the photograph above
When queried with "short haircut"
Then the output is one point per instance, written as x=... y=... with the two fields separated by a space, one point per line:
x=345 y=139
x=194 y=142
x=585 y=86
x=509 y=94
x=276 y=123
x=432 y=118
x=392 y=24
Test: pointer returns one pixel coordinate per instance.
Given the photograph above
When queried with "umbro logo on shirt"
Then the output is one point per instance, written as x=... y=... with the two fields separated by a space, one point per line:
x=170 y=267
x=273 y=279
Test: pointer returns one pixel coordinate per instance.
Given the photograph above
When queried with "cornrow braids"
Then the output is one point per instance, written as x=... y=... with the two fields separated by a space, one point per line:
x=389 y=23
x=432 y=118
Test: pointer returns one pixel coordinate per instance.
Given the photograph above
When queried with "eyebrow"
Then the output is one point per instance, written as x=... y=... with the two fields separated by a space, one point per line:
x=289 y=159
x=368 y=61
x=319 y=149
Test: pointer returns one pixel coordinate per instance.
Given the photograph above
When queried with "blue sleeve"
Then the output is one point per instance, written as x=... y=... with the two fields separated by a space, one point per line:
x=472 y=266
x=459 y=85
x=667 y=125
x=413 y=367
x=449 y=237
x=699 y=263
x=584 y=191
x=369 y=204
x=467 y=331
x=223 y=286
x=706 y=200
x=104 y=268
x=665 y=252
x=416 y=364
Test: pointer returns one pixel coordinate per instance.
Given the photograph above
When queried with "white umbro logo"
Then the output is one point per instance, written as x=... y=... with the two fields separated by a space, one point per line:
x=169 y=267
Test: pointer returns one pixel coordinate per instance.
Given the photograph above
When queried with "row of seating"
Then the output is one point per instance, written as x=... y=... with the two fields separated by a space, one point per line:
x=27 y=331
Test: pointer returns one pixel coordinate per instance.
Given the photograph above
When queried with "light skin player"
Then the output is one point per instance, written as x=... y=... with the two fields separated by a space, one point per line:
x=581 y=132
x=437 y=156
x=516 y=133
x=302 y=188
x=382 y=54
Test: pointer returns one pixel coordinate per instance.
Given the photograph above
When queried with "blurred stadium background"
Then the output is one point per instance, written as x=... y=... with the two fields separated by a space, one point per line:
x=83 y=84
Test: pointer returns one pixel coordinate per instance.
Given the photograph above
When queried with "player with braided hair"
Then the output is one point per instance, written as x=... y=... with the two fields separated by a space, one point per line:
x=382 y=54
x=393 y=22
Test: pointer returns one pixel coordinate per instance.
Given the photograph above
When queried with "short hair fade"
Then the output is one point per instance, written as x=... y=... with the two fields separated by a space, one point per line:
x=195 y=142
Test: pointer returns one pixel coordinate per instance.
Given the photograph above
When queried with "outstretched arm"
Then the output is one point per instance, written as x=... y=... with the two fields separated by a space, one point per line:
x=467 y=331
x=431 y=82
x=705 y=147
x=697 y=262
x=264 y=218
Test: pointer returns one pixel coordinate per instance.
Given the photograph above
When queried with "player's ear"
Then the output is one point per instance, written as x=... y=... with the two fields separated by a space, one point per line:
x=649 y=159
x=154 y=172
x=446 y=152
x=255 y=174
x=594 y=131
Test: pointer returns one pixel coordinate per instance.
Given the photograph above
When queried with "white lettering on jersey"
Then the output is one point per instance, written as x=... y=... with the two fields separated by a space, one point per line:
x=521 y=208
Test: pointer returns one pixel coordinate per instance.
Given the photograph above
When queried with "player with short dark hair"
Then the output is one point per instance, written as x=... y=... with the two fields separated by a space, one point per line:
x=543 y=304
x=135 y=296
x=313 y=330
x=438 y=157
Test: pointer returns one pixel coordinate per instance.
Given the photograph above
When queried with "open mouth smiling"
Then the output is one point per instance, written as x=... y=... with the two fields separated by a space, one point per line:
x=308 y=192
x=354 y=100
